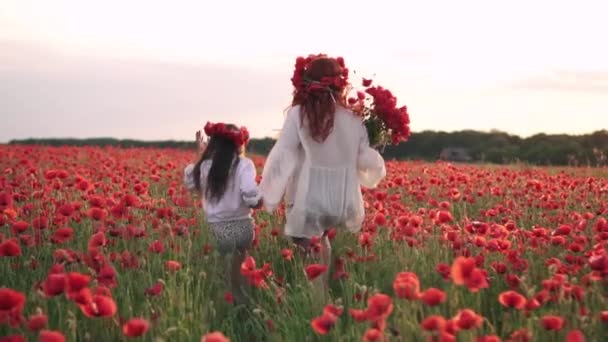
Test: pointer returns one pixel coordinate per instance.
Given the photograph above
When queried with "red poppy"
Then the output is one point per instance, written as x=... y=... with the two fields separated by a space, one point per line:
x=156 y=289
x=358 y=315
x=604 y=316
x=107 y=276
x=11 y=300
x=575 y=336
x=99 y=306
x=315 y=270
x=54 y=284
x=135 y=327
x=76 y=281
x=444 y=216
x=552 y=322
x=407 y=285
x=461 y=270
x=51 y=336
x=215 y=336
x=468 y=319
x=333 y=310
x=9 y=248
x=379 y=307
x=173 y=265
x=12 y=338
x=512 y=299
x=156 y=247
x=521 y=335
x=488 y=338
x=324 y=323
x=433 y=296
x=372 y=335
x=465 y=272
x=433 y=323
x=287 y=253
x=37 y=322
x=62 y=235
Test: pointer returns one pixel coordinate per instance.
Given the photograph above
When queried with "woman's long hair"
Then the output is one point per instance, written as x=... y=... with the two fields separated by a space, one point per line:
x=318 y=106
x=224 y=155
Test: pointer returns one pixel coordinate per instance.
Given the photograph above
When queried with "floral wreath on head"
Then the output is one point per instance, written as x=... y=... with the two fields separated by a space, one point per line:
x=239 y=136
x=305 y=85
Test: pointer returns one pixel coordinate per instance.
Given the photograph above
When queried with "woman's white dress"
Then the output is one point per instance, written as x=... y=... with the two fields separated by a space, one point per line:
x=321 y=182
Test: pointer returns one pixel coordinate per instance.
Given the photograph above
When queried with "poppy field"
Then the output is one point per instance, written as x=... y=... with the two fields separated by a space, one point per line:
x=106 y=244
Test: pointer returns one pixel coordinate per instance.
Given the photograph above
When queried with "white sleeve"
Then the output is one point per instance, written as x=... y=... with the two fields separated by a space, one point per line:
x=370 y=164
x=249 y=189
x=281 y=162
x=189 y=177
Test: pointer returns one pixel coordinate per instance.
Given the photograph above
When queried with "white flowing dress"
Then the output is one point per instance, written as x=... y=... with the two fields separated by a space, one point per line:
x=321 y=182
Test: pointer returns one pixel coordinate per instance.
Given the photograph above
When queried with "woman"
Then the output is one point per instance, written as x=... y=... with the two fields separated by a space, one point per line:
x=321 y=158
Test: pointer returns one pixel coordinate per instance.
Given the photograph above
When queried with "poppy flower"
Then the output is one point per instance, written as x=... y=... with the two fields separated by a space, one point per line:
x=575 y=336
x=173 y=265
x=54 y=284
x=406 y=285
x=12 y=338
x=465 y=272
x=10 y=248
x=135 y=327
x=461 y=270
x=315 y=270
x=433 y=296
x=379 y=307
x=444 y=216
x=19 y=227
x=107 y=276
x=552 y=322
x=433 y=323
x=228 y=297
x=358 y=315
x=372 y=335
x=512 y=299
x=76 y=281
x=62 y=235
x=215 y=336
x=488 y=338
x=287 y=254
x=604 y=316
x=51 y=336
x=156 y=247
x=468 y=319
x=37 y=322
x=521 y=335
x=100 y=306
x=11 y=300
x=324 y=323
x=156 y=289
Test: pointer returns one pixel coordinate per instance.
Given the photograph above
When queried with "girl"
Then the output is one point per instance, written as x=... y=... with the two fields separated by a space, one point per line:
x=226 y=180
x=321 y=158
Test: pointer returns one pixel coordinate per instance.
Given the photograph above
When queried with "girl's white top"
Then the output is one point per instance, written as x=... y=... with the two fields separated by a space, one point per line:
x=241 y=192
x=321 y=181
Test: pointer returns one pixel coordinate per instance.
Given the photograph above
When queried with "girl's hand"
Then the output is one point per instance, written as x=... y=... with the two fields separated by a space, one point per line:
x=201 y=143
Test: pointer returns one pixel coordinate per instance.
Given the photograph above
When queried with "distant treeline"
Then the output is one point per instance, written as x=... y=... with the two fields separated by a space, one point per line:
x=493 y=147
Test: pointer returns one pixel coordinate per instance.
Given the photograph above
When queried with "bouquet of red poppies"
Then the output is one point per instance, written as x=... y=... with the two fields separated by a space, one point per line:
x=385 y=122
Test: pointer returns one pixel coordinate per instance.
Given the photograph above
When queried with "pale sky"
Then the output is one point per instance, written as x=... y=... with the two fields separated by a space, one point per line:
x=160 y=70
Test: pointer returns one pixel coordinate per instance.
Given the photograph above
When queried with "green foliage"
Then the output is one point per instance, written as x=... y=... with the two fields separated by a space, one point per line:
x=489 y=147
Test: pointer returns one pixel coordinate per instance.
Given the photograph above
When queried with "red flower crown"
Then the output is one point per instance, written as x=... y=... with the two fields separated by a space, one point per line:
x=239 y=136
x=303 y=84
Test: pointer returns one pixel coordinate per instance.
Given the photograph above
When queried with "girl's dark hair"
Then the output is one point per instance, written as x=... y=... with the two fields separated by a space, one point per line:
x=224 y=155
x=319 y=107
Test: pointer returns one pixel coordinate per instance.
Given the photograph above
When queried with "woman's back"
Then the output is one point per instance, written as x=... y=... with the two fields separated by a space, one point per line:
x=341 y=146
